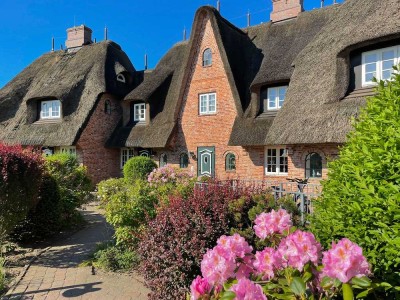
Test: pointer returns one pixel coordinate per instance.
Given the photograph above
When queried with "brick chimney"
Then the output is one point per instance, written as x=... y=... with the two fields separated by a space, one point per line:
x=286 y=9
x=78 y=36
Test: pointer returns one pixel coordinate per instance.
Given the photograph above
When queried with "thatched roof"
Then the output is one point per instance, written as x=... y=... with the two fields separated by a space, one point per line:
x=76 y=78
x=315 y=109
x=160 y=88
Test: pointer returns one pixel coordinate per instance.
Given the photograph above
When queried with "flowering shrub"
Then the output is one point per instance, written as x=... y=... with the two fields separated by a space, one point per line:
x=180 y=234
x=292 y=270
x=21 y=173
x=170 y=181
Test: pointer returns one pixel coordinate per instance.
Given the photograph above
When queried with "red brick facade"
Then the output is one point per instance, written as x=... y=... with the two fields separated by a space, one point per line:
x=195 y=130
x=102 y=163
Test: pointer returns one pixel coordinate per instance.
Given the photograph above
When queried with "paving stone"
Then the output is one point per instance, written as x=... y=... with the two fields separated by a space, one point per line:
x=56 y=273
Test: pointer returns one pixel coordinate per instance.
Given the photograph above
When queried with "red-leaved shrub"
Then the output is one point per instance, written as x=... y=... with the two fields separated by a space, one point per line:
x=21 y=171
x=178 y=237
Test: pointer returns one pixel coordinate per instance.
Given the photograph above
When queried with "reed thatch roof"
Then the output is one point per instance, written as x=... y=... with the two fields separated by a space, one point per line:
x=315 y=109
x=160 y=88
x=76 y=78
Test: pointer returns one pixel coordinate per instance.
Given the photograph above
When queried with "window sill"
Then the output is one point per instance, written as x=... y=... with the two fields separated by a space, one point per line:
x=230 y=171
x=208 y=114
x=48 y=121
x=276 y=174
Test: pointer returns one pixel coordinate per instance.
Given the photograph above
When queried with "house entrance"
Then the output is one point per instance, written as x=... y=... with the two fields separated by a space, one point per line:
x=206 y=161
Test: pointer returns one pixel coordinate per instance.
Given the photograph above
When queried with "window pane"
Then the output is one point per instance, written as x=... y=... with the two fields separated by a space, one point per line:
x=386 y=55
x=211 y=103
x=388 y=64
x=272 y=98
x=369 y=68
x=369 y=77
x=386 y=74
x=369 y=58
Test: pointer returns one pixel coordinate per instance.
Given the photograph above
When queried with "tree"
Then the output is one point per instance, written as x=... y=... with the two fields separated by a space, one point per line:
x=361 y=198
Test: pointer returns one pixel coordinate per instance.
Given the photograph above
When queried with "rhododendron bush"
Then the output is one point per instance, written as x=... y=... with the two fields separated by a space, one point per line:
x=292 y=266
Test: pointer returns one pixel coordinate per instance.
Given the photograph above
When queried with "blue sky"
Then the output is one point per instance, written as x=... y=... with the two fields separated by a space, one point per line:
x=149 y=26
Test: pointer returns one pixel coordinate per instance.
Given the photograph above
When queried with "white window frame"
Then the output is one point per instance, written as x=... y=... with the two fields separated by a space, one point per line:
x=141 y=116
x=278 y=158
x=206 y=98
x=50 y=110
x=67 y=149
x=276 y=100
x=379 y=63
x=126 y=154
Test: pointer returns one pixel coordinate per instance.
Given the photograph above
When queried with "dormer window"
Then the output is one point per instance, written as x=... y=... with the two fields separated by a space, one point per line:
x=121 y=78
x=379 y=64
x=276 y=97
x=207 y=57
x=50 y=109
x=139 y=112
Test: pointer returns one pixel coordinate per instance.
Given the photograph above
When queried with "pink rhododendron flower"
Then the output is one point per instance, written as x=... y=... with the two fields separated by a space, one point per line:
x=297 y=249
x=218 y=265
x=245 y=268
x=236 y=244
x=265 y=263
x=245 y=289
x=199 y=287
x=267 y=224
x=345 y=261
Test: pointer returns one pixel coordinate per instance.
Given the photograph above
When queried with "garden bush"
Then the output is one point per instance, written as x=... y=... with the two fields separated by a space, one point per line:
x=138 y=167
x=115 y=258
x=175 y=241
x=45 y=219
x=107 y=188
x=361 y=198
x=73 y=181
x=128 y=209
x=170 y=181
x=20 y=179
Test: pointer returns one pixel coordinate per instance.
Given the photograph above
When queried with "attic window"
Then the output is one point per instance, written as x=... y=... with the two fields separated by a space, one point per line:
x=50 y=109
x=379 y=64
x=207 y=57
x=121 y=78
x=139 y=112
x=276 y=97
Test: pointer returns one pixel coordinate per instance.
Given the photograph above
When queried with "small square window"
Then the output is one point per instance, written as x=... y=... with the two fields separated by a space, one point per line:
x=208 y=104
x=276 y=97
x=50 y=109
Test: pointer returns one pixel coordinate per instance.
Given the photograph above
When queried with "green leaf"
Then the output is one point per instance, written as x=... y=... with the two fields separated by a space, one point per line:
x=307 y=276
x=362 y=281
x=347 y=292
x=363 y=294
x=283 y=296
x=298 y=286
x=229 y=295
x=326 y=283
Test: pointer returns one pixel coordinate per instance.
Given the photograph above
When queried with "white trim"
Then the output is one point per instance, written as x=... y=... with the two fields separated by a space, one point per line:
x=277 y=161
x=121 y=78
x=378 y=64
x=277 y=98
x=48 y=109
x=139 y=112
x=126 y=154
x=206 y=98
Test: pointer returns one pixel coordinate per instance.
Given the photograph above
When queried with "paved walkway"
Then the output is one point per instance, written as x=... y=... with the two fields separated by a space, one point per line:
x=56 y=275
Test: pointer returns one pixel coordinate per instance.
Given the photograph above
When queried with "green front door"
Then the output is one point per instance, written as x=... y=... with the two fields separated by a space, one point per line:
x=206 y=161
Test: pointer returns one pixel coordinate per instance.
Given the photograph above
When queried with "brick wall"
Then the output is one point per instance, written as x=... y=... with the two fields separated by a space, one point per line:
x=102 y=163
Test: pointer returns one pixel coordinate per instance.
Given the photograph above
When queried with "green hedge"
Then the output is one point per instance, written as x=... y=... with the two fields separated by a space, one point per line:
x=138 y=167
